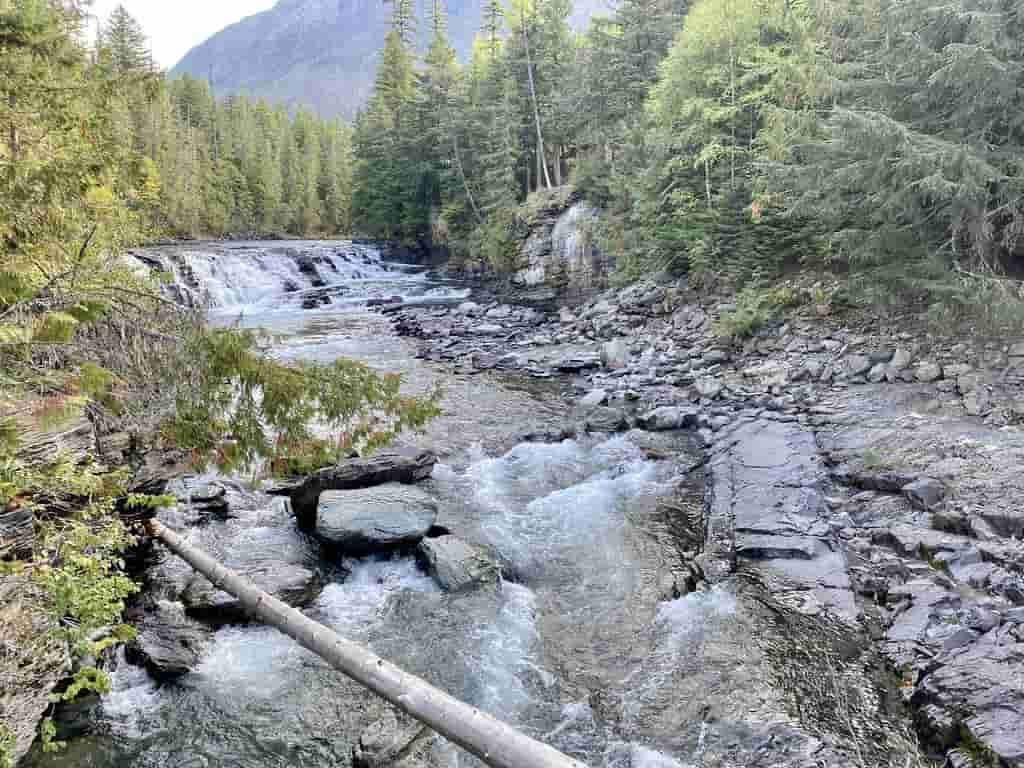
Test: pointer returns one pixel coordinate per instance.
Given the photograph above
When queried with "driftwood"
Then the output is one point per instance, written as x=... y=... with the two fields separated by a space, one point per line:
x=401 y=466
x=497 y=744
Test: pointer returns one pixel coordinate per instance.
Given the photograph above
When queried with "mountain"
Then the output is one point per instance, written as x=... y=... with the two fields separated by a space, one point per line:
x=321 y=53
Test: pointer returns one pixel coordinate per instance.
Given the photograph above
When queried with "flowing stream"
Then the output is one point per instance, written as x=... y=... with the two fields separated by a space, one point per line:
x=582 y=649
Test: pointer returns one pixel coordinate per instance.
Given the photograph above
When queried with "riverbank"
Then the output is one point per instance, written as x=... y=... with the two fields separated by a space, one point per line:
x=865 y=484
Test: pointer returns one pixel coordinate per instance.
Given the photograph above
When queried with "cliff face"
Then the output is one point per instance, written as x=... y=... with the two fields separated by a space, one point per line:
x=321 y=53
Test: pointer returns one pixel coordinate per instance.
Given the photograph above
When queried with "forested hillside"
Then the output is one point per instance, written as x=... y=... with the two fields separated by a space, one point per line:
x=735 y=140
x=202 y=167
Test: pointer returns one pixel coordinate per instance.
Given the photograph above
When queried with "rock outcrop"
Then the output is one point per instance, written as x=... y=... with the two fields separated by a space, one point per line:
x=33 y=660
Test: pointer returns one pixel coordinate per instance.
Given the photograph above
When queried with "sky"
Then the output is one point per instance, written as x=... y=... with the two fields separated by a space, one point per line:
x=176 y=26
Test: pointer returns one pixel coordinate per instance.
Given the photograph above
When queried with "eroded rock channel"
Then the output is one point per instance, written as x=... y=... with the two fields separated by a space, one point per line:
x=645 y=548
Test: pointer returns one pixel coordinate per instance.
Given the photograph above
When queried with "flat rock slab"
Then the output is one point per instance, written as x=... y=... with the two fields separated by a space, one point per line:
x=373 y=519
x=399 y=466
x=766 y=511
x=456 y=564
x=288 y=582
x=169 y=643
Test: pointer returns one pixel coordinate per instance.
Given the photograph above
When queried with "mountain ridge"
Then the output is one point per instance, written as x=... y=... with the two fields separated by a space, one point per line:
x=319 y=53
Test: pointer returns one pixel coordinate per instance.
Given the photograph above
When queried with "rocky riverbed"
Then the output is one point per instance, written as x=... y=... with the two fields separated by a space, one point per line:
x=866 y=487
x=647 y=546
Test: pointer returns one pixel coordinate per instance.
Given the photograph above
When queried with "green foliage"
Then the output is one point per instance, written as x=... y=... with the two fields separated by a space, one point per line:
x=241 y=407
x=6 y=747
x=756 y=307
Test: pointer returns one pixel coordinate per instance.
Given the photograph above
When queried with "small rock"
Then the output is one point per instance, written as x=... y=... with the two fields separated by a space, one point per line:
x=488 y=329
x=901 y=358
x=669 y=417
x=456 y=565
x=877 y=373
x=928 y=372
x=594 y=398
x=857 y=365
x=925 y=493
x=381 y=743
x=566 y=316
x=709 y=387
x=881 y=355
x=468 y=308
x=615 y=354
x=604 y=419
x=715 y=356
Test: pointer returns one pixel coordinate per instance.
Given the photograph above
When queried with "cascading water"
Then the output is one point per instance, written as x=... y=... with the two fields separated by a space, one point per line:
x=579 y=648
x=247 y=278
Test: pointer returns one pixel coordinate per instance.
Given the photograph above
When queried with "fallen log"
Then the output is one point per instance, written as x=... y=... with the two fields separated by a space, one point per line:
x=496 y=743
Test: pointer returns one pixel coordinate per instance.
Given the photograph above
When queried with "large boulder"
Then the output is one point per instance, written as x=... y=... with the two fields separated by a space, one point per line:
x=457 y=565
x=398 y=466
x=291 y=583
x=169 y=644
x=373 y=519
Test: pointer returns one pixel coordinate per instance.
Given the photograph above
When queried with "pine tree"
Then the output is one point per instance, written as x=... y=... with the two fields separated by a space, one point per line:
x=125 y=41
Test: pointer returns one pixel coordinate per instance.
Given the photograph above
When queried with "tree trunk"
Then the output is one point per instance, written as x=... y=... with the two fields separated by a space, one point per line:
x=14 y=139
x=536 y=109
x=497 y=744
x=462 y=175
x=707 y=181
x=558 y=165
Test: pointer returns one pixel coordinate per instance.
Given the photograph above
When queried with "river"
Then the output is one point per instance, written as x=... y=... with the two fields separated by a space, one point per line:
x=583 y=647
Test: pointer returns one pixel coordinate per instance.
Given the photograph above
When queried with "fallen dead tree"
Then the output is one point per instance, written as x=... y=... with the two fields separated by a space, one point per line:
x=496 y=743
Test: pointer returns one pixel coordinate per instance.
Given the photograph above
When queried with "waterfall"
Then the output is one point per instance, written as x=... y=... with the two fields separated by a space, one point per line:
x=245 y=278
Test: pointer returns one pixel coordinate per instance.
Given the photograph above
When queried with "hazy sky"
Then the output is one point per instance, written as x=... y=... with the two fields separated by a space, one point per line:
x=175 y=26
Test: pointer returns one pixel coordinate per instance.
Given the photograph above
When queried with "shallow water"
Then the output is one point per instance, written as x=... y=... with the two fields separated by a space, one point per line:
x=581 y=649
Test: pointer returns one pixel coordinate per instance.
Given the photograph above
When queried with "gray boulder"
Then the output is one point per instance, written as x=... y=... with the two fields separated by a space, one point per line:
x=373 y=519
x=928 y=372
x=857 y=365
x=605 y=419
x=615 y=354
x=384 y=741
x=925 y=493
x=169 y=644
x=457 y=565
x=669 y=417
x=400 y=466
x=594 y=398
x=709 y=387
x=288 y=582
